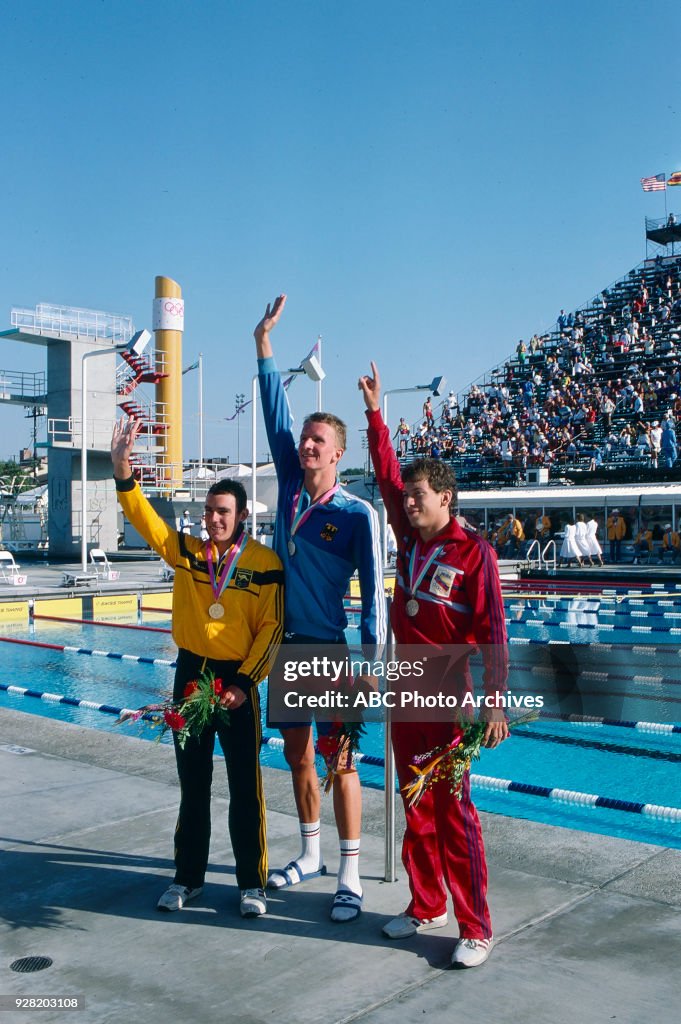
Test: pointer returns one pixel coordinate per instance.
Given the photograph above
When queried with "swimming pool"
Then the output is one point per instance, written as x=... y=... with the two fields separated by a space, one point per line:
x=629 y=762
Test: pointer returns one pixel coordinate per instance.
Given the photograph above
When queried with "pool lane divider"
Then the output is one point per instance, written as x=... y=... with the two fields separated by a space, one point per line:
x=481 y=781
x=604 y=626
x=576 y=720
x=142 y=659
x=565 y=796
x=596 y=608
x=97 y=622
x=65 y=648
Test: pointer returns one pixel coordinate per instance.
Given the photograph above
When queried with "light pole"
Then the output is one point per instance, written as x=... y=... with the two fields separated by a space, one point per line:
x=200 y=410
x=436 y=387
x=312 y=369
x=136 y=345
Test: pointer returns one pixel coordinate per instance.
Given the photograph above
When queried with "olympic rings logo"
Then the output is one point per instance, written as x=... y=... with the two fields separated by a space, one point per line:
x=173 y=308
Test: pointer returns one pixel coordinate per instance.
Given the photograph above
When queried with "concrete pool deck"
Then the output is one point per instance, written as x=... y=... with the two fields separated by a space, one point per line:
x=138 y=574
x=587 y=927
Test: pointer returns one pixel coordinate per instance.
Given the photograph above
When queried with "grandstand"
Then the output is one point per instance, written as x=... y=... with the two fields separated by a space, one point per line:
x=594 y=402
x=596 y=399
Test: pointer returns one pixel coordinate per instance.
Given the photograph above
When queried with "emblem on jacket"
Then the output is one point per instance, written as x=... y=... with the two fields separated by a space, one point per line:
x=329 y=532
x=243 y=578
x=442 y=581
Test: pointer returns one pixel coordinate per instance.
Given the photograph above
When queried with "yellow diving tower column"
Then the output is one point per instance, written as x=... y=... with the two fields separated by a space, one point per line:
x=168 y=326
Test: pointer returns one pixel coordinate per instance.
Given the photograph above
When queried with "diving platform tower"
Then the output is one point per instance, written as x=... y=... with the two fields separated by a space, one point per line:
x=70 y=336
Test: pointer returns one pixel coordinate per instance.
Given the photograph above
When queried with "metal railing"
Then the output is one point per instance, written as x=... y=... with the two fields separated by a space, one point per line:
x=71 y=320
x=549 y=559
x=529 y=555
x=22 y=384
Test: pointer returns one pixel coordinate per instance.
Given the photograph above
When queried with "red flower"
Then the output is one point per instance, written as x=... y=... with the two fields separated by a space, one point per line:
x=174 y=720
x=217 y=687
x=327 y=746
x=190 y=688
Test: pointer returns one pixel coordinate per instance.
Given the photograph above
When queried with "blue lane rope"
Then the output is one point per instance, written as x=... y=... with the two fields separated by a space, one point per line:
x=138 y=658
x=603 y=626
x=481 y=781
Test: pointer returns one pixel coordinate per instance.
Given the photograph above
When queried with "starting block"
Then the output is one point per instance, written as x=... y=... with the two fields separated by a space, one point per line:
x=78 y=579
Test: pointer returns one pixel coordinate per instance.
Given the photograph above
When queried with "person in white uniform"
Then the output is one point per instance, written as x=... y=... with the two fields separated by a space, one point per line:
x=581 y=539
x=595 y=550
x=569 y=550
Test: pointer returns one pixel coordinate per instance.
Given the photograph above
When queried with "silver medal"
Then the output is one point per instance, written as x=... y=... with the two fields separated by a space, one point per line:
x=412 y=607
x=216 y=611
x=291 y=547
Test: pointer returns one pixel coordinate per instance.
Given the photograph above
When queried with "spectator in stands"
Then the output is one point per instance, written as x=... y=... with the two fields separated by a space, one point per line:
x=402 y=433
x=616 y=528
x=428 y=412
x=669 y=451
x=655 y=442
x=643 y=445
x=607 y=409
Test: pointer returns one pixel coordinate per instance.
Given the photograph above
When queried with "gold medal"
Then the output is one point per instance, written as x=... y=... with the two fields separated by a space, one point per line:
x=412 y=607
x=216 y=611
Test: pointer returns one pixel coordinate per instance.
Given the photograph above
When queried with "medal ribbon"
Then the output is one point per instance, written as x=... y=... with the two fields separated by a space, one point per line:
x=414 y=557
x=220 y=581
x=298 y=517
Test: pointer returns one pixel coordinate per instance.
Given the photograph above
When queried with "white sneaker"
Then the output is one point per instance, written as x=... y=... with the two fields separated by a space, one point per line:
x=176 y=896
x=253 y=903
x=471 y=952
x=403 y=926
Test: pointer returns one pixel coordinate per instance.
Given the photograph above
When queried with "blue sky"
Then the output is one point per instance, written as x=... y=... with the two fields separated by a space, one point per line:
x=428 y=181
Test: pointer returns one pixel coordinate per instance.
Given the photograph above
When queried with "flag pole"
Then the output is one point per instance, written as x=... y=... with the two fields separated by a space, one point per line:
x=319 y=383
x=200 y=409
x=666 y=216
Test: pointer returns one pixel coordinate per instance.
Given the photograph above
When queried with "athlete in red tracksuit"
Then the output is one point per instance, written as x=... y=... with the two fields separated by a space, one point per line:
x=458 y=601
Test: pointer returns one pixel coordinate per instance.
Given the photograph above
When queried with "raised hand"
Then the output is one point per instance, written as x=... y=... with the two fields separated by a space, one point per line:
x=371 y=389
x=270 y=319
x=123 y=439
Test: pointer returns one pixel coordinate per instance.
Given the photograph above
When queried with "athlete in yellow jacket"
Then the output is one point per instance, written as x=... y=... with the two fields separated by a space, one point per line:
x=227 y=618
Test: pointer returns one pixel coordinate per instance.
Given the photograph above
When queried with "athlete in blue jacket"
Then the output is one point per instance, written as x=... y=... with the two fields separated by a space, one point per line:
x=322 y=535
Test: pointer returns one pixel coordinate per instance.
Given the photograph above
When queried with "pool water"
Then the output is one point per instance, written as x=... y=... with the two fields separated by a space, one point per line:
x=609 y=761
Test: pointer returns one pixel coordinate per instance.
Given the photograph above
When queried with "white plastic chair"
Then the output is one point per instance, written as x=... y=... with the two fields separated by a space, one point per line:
x=102 y=565
x=9 y=570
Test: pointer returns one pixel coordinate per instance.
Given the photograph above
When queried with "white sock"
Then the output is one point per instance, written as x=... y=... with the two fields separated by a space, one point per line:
x=348 y=871
x=310 y=858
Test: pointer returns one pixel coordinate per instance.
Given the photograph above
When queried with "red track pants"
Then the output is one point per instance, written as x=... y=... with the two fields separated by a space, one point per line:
x=442 y=846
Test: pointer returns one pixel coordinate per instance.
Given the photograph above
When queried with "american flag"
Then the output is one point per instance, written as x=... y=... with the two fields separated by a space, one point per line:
x=654 y=184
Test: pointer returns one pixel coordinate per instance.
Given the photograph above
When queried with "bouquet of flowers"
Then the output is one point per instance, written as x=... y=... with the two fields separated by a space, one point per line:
x=451 y=762
x=339 y=748
x=199 y=706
